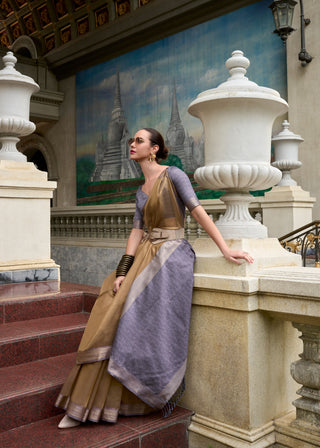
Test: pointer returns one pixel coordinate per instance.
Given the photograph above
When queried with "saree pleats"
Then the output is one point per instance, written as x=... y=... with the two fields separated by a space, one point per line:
x=132 y=356
x=90 y=392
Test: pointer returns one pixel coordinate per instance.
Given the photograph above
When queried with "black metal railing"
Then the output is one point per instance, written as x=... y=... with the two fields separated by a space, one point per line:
x=305 y=242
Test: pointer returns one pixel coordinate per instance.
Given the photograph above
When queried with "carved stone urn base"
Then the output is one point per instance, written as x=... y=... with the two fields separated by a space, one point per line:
x=237 y=219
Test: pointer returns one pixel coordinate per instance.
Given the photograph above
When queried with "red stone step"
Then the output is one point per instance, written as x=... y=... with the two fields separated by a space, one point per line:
x=40 y=326
x=151 y=431
x=27 y=341
x=26 y=301
x=28 y=391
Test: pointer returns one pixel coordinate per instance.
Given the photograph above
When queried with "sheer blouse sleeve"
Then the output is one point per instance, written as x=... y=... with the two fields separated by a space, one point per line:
x=184 y=188
x=138 y=216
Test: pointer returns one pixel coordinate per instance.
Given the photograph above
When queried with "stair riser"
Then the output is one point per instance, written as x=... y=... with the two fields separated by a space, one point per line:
x=45 y=346
x=13 y=311
x=24 y=410
x=173 y=436
x=103 y=435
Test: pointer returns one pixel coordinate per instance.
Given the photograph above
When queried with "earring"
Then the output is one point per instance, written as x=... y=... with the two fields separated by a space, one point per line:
x=152 y=157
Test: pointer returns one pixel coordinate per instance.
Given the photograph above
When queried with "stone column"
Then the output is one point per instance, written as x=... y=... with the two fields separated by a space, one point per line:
x=306 y=371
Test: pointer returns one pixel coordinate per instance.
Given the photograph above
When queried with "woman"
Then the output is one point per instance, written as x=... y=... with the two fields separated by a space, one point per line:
x=132 y=356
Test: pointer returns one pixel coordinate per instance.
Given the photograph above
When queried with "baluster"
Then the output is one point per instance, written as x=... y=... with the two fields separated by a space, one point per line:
x=112 y=228
x=80 y=226
x=104 y=227
x=61 y=226
x=59 y=233
x=98 y=227
x=85 y=219
x=187 y=229
x=66 y=225
x=126 y=226
x=73 y=227
x=94 y=229
x=121 y=227
x=199 y=230
x=53 y=227
x=306 y=372
x=193 y=228
x=258 y=217
x=106 y=230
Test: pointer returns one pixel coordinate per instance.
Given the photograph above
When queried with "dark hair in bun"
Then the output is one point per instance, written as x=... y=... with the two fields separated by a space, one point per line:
x=157 y=139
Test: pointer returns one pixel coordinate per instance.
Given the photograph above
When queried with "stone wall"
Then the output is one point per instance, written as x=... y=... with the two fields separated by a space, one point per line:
x=304 y=98
x=86 y=264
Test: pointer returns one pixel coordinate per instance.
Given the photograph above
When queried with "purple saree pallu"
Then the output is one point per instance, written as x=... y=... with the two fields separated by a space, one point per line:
x=149 y=352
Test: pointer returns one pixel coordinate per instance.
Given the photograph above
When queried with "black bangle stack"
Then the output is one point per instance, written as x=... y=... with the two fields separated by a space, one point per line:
x=124 y=265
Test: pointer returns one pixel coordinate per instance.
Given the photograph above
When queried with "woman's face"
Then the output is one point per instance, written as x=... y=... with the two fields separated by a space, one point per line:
x=141 y=146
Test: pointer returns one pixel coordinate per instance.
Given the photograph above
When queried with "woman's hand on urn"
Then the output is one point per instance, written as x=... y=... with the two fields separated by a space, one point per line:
x=235 y=256
x=117 y=283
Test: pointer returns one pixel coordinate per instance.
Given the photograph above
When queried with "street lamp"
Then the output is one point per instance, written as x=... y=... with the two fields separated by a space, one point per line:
x=282 y=11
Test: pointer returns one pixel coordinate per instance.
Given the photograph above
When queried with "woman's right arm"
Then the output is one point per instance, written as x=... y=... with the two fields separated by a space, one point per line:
x=134 y=241
x=131 y=249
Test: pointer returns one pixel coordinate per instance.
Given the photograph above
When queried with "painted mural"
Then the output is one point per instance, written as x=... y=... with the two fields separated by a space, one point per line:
x=153 y=86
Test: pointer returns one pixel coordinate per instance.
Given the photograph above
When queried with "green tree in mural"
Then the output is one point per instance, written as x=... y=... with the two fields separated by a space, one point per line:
x=173 y=160
x=85 y=167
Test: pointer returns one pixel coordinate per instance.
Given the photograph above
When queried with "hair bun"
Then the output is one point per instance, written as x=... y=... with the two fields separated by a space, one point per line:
x=163 y=154
x=157 y=139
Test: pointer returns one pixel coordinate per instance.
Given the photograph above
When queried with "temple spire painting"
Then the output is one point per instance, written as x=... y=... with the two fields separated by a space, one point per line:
x=112 y=155
x=152 y=86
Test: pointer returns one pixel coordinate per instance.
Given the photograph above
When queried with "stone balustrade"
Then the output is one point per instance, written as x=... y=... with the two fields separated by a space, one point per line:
x=245 y=319
x=88 y=241
x=293 y=294
x=114 y=222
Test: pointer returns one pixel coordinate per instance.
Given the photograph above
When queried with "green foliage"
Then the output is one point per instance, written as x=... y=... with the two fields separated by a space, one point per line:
x=85 y=168
x=209 y=194
x=173 y=160
x=259 y=192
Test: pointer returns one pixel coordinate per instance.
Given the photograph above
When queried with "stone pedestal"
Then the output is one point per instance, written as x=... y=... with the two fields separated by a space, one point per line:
x=289 y=436
x=286 y=208
x=25 y=197
x=237 y=377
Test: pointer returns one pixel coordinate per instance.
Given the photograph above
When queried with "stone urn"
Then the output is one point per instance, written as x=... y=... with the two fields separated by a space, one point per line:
x=15 y=93
x=286 y=145
x=237 y=118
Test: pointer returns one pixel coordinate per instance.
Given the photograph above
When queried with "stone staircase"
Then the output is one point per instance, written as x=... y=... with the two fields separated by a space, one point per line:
x=41 y=325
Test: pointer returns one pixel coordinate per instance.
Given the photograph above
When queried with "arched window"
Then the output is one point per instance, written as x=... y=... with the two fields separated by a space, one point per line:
x=35 y=156
x=25 y=46
x=38 y=150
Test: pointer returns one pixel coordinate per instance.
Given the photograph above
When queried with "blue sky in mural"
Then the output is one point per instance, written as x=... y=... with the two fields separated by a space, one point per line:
x=193 y=59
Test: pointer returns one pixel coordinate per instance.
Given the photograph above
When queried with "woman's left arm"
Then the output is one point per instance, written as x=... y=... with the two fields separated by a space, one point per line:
x=201 y=216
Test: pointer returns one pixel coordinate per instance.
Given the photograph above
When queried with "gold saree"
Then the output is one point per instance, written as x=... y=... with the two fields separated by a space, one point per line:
x=131 y=335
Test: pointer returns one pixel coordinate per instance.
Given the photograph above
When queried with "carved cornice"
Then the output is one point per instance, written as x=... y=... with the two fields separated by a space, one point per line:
x=75 y=34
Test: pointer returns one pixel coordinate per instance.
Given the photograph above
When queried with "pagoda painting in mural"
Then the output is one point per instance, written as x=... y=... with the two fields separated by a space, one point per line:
x=112 y=158
x=152 y=87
